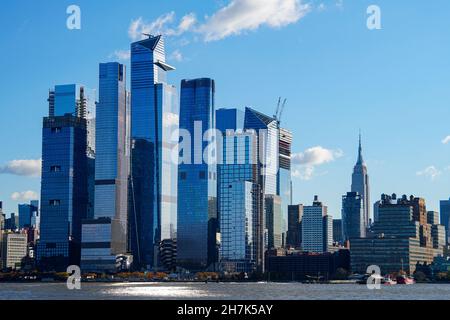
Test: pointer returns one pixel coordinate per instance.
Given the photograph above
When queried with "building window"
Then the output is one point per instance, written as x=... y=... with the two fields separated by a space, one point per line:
x=183 y=175
x=55 y=168
x=202 y=175
x=55 y=203
x=56 y=130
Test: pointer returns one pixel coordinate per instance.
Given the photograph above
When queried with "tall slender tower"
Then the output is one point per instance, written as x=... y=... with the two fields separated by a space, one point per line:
x=360 y=183
x=154 y=176
x=104 y=235
x=197 y=184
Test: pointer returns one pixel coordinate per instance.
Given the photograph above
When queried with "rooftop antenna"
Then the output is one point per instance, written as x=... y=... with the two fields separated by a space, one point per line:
x=148 y=35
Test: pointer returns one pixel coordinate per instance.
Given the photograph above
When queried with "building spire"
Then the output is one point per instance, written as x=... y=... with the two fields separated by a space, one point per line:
x=360 y=157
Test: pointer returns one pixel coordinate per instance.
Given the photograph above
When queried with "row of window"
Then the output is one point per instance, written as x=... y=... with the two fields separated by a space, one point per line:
x=201 y=175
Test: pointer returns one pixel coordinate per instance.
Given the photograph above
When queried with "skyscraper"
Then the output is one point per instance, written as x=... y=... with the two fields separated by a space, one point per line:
x=295 y=217
x=197 y=181
x=353 y=223
x=64 y=181
x=284 y=179
x=240 y=202
x=445 y=217
x=267 y=130
x=315 y=228
x=274 y=221
x=154 y=176
x=360 y=184
x=105 y=234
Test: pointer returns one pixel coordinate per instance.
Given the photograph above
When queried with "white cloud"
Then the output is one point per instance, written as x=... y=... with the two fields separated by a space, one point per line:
x=187 y=23
x=233 y=19
x=24 y=196
x=176 y=55
x=246 y=15
x=28 y=168
x=430 y=172
x=122 y=55
x=305 y=163
x=162 y=25
x=316 y=156
x=158 y=26
x=446 y=140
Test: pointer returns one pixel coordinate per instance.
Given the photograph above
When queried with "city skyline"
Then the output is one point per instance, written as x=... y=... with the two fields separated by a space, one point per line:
x=390 y=145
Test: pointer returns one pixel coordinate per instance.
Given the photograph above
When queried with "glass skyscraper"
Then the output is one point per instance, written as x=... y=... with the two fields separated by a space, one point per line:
x=105 y=236
x=240 y=202
x=29 y=214
x=154 y=119
x=445 y=217
x=353 y=224
x=64 y=181
x=197 y=181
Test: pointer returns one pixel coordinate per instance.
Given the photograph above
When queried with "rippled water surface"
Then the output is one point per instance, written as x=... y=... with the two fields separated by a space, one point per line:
x=218 y=291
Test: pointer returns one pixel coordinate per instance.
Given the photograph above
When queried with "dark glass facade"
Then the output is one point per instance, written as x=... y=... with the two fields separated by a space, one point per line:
x=197 y=182
x=64 y=195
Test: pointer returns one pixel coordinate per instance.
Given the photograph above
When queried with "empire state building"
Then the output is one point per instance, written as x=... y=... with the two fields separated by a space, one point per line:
x=360 y=183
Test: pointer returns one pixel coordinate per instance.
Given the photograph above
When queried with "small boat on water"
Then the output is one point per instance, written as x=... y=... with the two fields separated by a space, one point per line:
x=389 y=281
x=405 y=280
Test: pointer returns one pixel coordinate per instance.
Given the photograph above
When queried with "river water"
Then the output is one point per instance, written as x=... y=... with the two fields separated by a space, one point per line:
x=219 y=291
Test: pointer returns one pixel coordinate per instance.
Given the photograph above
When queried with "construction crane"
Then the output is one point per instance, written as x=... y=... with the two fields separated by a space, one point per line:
x=280 y=109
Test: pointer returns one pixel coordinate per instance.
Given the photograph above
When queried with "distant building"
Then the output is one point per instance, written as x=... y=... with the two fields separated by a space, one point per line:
x=294 y=234
x=432 y=217
x=376 y=205
x=28 y=214
x=328 y=233
x=445 y=217
x=307 y=266
x=12 y=223
x=314 y=236
x=353 y=223
x=360 y=184
x=13 y=250
x=337 y=231
x=274 y=221
x=284 y=179
x=402 y=238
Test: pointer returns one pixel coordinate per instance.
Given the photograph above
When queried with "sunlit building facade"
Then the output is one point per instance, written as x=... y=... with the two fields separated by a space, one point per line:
x=154 y=176
x=111 y=174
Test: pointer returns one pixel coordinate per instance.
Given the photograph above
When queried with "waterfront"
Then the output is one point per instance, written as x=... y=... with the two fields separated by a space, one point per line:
x=220 y=291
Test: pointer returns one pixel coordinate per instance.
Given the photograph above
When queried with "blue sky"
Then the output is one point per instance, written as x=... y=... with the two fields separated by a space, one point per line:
x=338 y=77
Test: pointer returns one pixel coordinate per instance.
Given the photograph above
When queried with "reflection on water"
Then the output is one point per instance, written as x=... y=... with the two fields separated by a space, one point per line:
x=156 y=291
x=218 y=291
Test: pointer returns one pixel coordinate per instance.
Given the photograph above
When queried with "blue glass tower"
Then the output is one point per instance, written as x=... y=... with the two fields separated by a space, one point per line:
x=197 y=186
x=64 y=184
x=154 y=176
x=240 y=202
x=105 y=236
